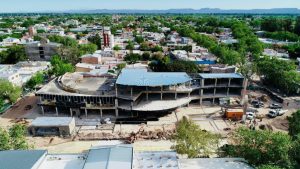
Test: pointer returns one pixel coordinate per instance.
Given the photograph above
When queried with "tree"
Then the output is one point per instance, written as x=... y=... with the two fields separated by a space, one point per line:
x=139 y=39
x=146 y=56
x=294 y=121
x=295 y=151
x=117 y=48
x=4 y=140
x=121 y=66
x=66 y=41
x=17 y=135
x=193 y=141
x=36 y=79
x=130 y=45
x=297 y=26
x=132 y=58
x=87 y=48
x=269 y=167
x=96 y=40
x=60 y=67
x=13 y=55
x=8 y=91
x=279 y=73
x=261 y=147
x=182 y=66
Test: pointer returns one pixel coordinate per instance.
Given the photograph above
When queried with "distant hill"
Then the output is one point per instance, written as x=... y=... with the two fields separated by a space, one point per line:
x=197 y=11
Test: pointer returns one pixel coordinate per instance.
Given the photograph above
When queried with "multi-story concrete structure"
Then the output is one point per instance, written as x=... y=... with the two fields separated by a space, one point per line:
x=41 y=51
x=137 y=92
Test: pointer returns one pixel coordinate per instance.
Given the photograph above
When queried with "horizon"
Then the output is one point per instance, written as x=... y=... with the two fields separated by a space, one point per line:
x=71 y=5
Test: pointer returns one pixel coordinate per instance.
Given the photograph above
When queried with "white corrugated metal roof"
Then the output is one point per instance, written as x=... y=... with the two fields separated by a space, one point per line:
x=110 y=158
x=52 y=121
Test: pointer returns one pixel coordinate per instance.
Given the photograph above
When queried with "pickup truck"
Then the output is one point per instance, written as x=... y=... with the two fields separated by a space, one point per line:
x=275 y=106
x=277 y=112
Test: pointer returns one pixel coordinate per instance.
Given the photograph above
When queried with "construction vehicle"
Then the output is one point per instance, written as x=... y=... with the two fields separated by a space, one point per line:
x=234 y=114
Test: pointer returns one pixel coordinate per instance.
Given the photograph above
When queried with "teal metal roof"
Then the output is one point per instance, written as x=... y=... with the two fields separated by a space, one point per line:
x=20 y=159
x=221 y=75
x=110 y=158
x=141 y=77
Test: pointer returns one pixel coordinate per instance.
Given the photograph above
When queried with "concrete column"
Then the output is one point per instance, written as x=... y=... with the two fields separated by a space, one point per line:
x=201 y=95
x=101 y=113
x=56 y=111
x=117 y=112
x=202 y=82
x=116 y=90
x=147 y=94
x=229 y=83
x=131 y=92
x=85 y=110
x=228 y=91
x=71 y=112
x=216 y=81
x=175 y=92
x=213 y=100
x=161 y=92
x=43 y=111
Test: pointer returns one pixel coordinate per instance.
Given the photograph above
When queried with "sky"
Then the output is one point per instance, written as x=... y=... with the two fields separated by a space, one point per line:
x=61 y=5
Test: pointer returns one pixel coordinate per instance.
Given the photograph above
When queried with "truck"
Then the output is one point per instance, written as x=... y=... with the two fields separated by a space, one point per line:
x=234 y=114
x=277 y=112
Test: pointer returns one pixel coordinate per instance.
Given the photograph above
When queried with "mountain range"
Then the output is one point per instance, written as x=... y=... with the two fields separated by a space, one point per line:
x=193 y=11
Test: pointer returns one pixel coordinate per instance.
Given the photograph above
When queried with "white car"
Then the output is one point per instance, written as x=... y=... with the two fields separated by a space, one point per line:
x=250 y=115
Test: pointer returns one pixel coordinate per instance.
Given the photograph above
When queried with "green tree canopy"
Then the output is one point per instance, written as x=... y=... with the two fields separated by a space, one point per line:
x=13 y=55
x=9 y=91
x=60 y=67
x=193 y=141
x=4 y=140
x=294 y=124
x=17 y=135
x=96 y=40
x=36 y=79
x=261 y=147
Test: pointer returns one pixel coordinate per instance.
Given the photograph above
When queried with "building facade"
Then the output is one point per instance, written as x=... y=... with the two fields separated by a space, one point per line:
x=41 y=51
x=136 y=91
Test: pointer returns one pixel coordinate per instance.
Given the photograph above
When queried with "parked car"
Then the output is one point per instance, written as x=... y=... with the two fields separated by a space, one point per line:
x=282 y=112
x=257 y=104
x=275 y=106
x=276 y=112
x=250 y=115
x=272 y=113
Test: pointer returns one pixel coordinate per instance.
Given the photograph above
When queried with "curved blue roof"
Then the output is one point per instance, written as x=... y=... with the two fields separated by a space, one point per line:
x=141 y=77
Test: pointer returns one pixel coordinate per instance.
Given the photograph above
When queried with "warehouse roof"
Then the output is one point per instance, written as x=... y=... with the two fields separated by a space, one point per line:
x=110 y=158
x=20 y=159
x=221 y=75
x=141 y=77
x=52 y=121
x=224 y=163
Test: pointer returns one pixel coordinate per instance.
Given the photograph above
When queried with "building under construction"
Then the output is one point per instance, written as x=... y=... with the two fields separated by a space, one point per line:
x=136 y=91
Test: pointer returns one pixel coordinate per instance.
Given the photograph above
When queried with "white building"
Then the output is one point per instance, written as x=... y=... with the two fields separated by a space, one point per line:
x=21 y=72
